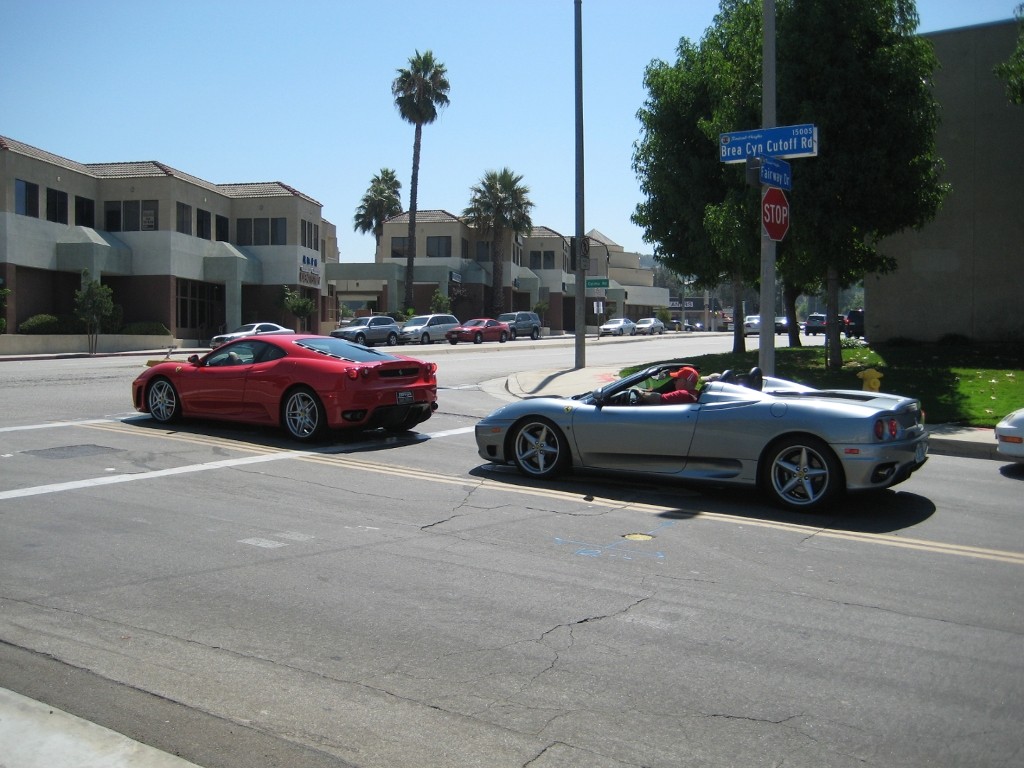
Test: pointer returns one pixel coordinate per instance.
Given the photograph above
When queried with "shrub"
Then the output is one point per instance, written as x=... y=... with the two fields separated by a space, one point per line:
x=39 y=324
x=146 y=328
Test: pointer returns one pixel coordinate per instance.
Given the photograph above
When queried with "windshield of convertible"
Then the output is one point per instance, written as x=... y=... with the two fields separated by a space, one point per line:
x=344 y=350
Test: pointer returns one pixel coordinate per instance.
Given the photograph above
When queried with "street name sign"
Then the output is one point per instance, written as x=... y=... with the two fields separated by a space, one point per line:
x=776 y=173
x=597 y=282
x=775 y=213
x=785 y=141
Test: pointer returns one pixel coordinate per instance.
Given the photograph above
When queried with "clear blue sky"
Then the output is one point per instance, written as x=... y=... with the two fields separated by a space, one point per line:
x=300 y=92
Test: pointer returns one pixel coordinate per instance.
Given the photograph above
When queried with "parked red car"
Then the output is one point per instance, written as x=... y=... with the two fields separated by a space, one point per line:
x=480 y=330
x=304 y=383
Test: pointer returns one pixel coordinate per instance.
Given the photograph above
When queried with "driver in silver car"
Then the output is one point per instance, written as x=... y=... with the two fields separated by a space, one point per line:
x=683 y=391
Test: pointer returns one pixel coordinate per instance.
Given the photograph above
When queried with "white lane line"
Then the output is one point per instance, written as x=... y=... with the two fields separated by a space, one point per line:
x=50 y=424
x=450 y=432
x=114 y=479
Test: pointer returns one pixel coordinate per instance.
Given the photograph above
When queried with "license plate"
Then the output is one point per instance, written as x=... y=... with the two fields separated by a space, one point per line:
x=922 y=451
x=404 y=397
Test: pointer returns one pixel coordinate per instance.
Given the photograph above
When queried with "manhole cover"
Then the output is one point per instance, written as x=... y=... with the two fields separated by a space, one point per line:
x=72 y=451
x=638 y=536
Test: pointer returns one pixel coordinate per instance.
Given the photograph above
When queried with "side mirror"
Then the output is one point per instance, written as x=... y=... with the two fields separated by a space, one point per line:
x=194 y=359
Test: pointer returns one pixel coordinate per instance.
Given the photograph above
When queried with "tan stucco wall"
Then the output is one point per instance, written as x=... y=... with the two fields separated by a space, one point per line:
x=963 y=273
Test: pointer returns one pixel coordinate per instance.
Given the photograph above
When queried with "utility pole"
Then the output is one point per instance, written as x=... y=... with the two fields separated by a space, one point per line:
x=580 y=293
x=766 y=347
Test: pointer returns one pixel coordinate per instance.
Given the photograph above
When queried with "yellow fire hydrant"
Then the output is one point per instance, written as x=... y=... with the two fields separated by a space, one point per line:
x=872 y=380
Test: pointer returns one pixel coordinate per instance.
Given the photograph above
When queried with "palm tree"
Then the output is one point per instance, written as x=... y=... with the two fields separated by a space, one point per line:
x=380 y=203
x=419 y=92
x=499 y=203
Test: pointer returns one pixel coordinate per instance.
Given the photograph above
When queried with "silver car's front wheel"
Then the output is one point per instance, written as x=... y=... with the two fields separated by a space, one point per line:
x=302 y=414
x=802 y=473
x=539 y=448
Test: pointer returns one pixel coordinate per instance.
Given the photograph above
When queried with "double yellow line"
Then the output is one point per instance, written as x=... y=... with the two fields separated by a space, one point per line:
x=347 y=461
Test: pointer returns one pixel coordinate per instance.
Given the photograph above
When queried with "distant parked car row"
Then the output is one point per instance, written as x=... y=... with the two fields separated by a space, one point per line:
x=426 y=329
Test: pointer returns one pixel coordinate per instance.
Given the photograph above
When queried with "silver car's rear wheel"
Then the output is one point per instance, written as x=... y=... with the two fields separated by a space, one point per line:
x=162 y=401
x=302 y=414
x=802 y=473
x=539 y=448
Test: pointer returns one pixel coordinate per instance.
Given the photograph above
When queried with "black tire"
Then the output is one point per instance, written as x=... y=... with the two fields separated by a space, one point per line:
x=503 y=338
x=425 y=338
x=302 y=415
x=392 y=339
x=801 y=473
x=162 y=401
x=361 y=339
x=539 y=449
x=478 y=339
x=453 y=342
x=512 y=334
x=535 y=334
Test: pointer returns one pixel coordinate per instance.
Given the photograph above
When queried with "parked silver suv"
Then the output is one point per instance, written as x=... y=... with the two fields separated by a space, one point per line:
x=369 y=331
x=522 y=323
x=426 y=329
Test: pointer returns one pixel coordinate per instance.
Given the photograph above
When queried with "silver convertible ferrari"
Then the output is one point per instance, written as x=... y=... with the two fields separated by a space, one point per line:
x=803 y=447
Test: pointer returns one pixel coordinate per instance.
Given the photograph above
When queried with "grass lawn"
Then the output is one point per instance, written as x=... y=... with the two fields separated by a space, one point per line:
x=957 y=382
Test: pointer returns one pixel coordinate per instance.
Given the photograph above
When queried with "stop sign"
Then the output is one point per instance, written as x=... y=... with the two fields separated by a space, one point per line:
x=775 y=213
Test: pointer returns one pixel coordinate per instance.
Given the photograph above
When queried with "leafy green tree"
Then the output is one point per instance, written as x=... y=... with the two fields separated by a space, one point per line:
x=854 y=68
x=499 y=203
x=419 y=92
x=698 y=212
x=381 y=201
x=1012 y=70
x=300 y=306
x=440 y=304
x=94 y=303
x=4 y=293
x=857 y=69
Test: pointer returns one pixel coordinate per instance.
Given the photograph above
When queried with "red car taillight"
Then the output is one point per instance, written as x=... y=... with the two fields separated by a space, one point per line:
x=355 y=373
x=886 y=429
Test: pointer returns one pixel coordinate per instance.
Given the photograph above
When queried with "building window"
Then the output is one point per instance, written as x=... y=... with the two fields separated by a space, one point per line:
x=85 y=212
x=243 y=232
x=130 y=221
x=483 y=250
x=535 y=260
x=57 y=206
x=150 y=215
x=112 y=215
x=279 y=231
x=185 y=219
x=549 y=259
x=261 y=231
x=26 y=198
x=222 y=225
x=398 y=247
x=203 y=224
x=200 y=305
x=465 y=248
x=439 y=247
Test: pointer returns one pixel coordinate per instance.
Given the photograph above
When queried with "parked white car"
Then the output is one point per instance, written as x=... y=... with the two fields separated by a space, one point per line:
x=620 y=326
x=649 y=326
x=1010 y=436
x=250 y=329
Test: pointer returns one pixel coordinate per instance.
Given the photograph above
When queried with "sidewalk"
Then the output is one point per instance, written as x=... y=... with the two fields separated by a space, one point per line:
x=34 y=735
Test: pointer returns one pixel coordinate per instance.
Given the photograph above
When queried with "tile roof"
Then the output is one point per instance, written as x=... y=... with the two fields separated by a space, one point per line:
x=544 y=232
x=425 y=217
x=153 y=169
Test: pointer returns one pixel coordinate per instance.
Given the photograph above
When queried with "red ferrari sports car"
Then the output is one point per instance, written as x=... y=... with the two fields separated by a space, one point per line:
x=480 y=330
x=307 y=384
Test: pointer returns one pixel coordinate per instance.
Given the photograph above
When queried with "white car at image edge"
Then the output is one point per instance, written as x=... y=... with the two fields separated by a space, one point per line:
x=251 y=329
x=1010 y=436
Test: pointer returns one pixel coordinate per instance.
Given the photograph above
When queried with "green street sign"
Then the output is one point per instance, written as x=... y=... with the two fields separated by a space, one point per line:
x=597 y=282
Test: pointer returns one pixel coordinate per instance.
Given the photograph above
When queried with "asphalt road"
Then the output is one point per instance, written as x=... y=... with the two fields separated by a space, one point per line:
x=221 y=594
